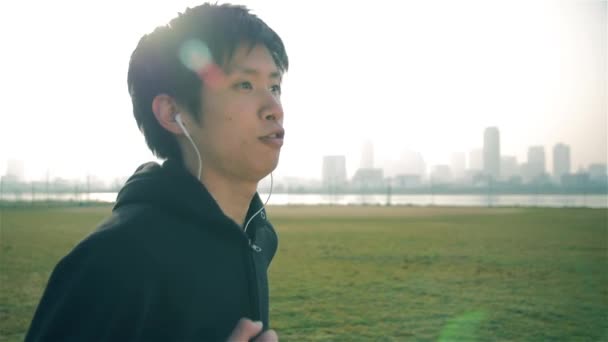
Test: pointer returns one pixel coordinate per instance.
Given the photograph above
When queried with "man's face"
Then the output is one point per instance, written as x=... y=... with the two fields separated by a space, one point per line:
x=240 y=133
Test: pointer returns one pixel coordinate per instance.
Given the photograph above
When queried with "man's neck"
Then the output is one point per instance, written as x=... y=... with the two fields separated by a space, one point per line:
x=232 y=196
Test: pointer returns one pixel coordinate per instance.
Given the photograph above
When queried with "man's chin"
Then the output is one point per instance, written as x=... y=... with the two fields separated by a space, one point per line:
x=267 y=170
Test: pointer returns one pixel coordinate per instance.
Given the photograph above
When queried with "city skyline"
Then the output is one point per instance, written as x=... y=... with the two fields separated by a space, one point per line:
x=488 y=161
x=539 y=160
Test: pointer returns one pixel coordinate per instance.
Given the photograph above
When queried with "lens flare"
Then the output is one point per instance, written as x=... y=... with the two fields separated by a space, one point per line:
x=196 y=56
x=463 y=327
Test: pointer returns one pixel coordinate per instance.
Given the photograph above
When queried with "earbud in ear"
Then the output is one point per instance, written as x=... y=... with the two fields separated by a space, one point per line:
x=178 y=118
x=180 y=123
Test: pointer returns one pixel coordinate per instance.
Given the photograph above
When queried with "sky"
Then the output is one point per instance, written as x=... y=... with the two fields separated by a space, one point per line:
x=425 y=76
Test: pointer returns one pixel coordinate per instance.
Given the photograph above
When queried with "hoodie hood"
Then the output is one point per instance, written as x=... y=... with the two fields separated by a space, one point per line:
x=172 y=188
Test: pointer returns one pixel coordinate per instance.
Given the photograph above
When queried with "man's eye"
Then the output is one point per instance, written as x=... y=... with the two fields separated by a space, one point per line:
x=244 y=85
x=276 y=89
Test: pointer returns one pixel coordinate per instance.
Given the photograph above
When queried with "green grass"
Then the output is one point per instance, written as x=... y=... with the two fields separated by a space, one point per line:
x=381 y=274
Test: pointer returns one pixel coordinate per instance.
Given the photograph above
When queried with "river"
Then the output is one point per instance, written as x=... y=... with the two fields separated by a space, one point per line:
x=538 y=200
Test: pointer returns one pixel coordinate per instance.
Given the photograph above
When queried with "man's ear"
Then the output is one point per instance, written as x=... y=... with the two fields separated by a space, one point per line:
x=165 y=109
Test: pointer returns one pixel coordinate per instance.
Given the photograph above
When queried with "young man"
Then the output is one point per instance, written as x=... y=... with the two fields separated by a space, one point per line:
x=184 y=255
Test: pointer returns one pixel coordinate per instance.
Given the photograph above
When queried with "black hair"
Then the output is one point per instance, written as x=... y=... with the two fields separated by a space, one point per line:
x=155 y=66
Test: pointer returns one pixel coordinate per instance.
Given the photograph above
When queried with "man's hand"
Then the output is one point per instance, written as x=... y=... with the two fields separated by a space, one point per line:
x=246 y=329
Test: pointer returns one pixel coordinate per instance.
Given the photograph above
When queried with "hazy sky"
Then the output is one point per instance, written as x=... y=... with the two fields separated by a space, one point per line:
x=427 y=76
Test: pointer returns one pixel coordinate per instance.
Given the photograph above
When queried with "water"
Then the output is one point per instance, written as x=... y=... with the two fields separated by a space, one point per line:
x=592 y=201
x=63 y=197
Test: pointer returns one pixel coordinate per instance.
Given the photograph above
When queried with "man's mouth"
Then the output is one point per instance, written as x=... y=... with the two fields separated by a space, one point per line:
x=274 y=139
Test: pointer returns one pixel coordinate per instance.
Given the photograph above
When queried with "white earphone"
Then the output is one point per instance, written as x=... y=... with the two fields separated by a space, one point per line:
x=180 y=123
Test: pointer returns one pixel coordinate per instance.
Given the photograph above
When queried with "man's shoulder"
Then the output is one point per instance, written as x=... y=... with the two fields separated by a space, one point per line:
x=135 y=222
x=124 y=235
x=147 y=233
x=133 y=215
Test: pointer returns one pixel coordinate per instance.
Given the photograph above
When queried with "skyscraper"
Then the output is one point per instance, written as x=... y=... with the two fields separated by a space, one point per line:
x=561 y=161
x=476 y=160
x=367 y=155
x=598 y=173
x=491 y=152
x=441 y=174
x=457 y=164
x=409 y=163
x=536 y=161
x=15 y=170
x=508 y=167
x=334 y=171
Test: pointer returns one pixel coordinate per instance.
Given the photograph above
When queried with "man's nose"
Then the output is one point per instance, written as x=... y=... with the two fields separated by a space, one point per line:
x=273 y=110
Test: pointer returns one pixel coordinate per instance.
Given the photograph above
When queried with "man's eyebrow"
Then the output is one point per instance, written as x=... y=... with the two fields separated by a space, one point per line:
x=254 y=72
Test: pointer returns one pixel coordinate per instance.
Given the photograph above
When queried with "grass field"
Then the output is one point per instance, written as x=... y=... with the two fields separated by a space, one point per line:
x=381 y=273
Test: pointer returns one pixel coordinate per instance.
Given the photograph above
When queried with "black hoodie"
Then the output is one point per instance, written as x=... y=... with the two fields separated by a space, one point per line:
x=168 y=265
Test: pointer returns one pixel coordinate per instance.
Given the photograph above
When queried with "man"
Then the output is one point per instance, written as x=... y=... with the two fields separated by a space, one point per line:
x=184 y=255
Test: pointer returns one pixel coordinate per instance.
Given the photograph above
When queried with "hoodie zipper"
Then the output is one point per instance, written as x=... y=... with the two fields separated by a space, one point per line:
x=255 y=247
x=254 y=288
x=252 y=249
x=254 y=283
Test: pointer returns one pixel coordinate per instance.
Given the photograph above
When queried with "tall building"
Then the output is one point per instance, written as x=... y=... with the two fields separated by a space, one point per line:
x=409 y=163
x=407 y=181
x=15 y=170
x=491 y=152
x=368 y=178
x=536 y=162
x=334 y=171
x=476 y=160
x=508 y=167
x=457 y=164
x=561 y=161
x=367 y=155
x=598 y=173
x=441 y=174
